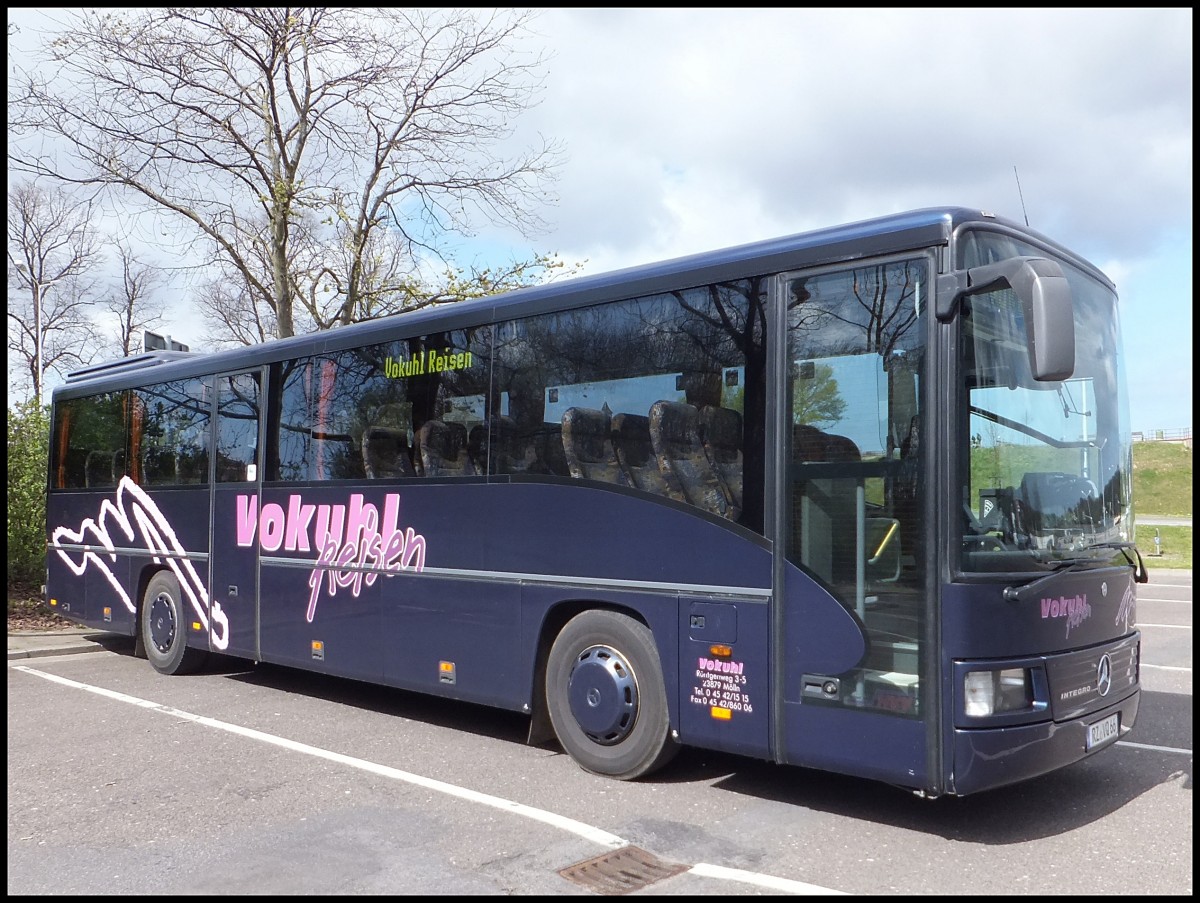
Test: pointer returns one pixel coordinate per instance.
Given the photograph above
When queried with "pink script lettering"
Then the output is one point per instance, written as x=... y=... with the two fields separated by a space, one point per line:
x=355 y=544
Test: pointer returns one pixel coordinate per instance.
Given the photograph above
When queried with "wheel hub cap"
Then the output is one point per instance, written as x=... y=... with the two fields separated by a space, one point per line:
x=603 y=695
x=162 y=623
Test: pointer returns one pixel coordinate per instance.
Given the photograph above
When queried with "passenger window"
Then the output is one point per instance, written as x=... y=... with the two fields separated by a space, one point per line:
x=649 y=394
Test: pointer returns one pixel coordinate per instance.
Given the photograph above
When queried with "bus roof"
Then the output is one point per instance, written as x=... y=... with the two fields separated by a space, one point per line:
x=880 y=235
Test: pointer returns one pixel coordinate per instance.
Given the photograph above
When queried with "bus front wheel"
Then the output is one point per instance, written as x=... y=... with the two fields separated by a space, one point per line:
x=606 y=696
x=164 y=627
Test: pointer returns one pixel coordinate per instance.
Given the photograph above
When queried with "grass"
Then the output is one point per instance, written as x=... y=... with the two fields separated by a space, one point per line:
x=1162 y=478
x=1162 y=484
x=1176 y=547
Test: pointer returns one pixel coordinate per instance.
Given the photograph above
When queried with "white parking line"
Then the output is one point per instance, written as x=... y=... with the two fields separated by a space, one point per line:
x=588 y=832
x=1151 y=746
x=783 y=884
x=1144 y=666
x=1176 y=626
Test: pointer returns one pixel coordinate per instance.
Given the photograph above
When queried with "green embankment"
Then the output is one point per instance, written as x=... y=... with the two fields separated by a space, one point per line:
x=1162 y=486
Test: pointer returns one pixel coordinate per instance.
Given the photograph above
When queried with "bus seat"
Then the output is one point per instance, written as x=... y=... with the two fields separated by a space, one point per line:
x=512 y=451
x=824 y=518
x=442 y=449
x=100 y=469
x=478 y=447
x=230 y=469
x=386 y=454
x=721 y=434
x=72 y=472
x=635 y=454
x=550 y=455
x=811 y=445
x=1044 y=498
x=160 y=466
x=675 y=437
x=193 y=464
x=905 y=495
x=587 y=443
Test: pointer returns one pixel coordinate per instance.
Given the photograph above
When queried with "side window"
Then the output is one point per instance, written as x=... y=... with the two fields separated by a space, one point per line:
x=317 y=424
x=294 y=385
x=663 y=395
x=447 y=381
x=89 y=442
x=237 y=428
x=67 y=452
x=171 y=433
x=398 y=409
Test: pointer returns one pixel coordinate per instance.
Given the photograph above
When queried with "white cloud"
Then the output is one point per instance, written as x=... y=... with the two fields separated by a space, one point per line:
x=688 y=130
x=692 y=130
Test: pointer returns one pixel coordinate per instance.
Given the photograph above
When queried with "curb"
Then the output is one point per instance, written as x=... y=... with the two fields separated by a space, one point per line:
x=39 y=644
x=14 y=654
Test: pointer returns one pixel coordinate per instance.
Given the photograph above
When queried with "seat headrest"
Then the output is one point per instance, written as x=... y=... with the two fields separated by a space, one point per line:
x=675 y=422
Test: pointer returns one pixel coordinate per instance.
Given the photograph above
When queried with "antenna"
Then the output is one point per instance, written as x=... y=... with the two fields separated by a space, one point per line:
x=1021 y=194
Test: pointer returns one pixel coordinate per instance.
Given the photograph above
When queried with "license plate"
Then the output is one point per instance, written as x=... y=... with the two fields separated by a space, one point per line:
x=1102 y=731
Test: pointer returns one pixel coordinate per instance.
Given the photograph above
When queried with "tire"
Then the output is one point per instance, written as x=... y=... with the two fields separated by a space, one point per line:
x=164 y=627
x=606 y=696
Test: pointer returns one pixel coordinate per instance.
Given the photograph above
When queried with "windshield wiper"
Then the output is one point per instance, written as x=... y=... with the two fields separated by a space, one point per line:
x=1017 y=593
x=1001 y=420
x=1140 y=574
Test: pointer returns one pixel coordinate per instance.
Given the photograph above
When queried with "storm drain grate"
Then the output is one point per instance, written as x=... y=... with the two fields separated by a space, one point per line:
x=621 y=871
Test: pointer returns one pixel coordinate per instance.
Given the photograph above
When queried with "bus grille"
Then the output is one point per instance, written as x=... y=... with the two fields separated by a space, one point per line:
x=1076 y=685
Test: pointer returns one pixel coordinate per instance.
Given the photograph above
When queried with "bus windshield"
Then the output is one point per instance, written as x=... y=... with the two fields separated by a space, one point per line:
x=1045 y=465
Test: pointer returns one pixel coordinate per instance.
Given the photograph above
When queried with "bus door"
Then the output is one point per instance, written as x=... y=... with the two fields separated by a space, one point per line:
x=237 y=481
x=854 y=589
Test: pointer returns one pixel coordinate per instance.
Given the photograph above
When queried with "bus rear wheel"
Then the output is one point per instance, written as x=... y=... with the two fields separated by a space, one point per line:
x=606 y=696
x=164 y=627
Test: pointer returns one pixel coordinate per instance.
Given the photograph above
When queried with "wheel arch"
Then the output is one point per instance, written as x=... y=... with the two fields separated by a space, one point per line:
x=180 y=655
x=555 y=619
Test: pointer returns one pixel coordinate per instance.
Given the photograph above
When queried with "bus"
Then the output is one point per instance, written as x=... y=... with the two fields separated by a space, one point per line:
x=855 y=500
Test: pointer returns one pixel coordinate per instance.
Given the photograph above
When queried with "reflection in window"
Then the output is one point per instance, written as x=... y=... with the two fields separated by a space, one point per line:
x=856 y=339
x=398 y=409
x=630 y=394
x=237 y=427
x=90 y=442
x=173 y=437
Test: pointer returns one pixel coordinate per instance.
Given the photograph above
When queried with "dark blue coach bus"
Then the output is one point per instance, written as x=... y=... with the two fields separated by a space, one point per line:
x=856 y=500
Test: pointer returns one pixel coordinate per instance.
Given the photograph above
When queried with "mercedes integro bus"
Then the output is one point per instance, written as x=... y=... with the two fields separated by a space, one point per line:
x=857 y=499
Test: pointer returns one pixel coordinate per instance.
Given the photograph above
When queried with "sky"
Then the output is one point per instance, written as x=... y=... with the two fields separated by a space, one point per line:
x=691 y=130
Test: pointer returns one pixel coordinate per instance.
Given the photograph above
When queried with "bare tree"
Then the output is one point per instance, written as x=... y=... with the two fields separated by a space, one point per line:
x=372 y=132
x=232 y=316
x=52 y=246
x=133 y=302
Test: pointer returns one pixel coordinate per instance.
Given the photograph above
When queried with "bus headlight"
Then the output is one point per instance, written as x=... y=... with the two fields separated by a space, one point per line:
x=992 y=692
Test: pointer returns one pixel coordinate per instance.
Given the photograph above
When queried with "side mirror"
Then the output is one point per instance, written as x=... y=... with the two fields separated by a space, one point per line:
x=1045 y=297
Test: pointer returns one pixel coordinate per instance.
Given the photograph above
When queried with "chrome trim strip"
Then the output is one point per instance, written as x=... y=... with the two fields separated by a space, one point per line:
x=752 y=593
x=122 y=550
